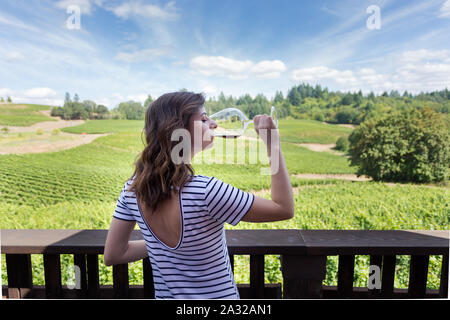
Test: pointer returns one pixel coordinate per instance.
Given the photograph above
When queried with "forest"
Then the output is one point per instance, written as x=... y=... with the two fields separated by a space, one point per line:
x=303 y=101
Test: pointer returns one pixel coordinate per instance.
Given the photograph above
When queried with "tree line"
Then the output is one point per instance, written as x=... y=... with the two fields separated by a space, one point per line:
x=73 y=108
x=8 y=99
x=300 y=102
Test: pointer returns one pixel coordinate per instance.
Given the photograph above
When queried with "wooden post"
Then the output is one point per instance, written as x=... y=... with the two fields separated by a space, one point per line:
x=149 y=286
x=388 y=276
x=418 y=271
x=346 y=270
x=52 y=270
x=231 y=261
x=303 y=276
x=93 y=277
x=257 y=276
x=20 y=277
x=120 y=281
x=443 y=287
x=80 y=262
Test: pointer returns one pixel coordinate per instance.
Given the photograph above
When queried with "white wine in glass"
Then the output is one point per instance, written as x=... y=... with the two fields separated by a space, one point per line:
x=232 y=122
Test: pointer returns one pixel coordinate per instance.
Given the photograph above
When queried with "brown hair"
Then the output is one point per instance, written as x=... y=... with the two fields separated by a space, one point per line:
x=155 y=172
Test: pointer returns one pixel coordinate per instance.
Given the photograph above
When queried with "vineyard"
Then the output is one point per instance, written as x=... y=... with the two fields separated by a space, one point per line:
x=78 y=189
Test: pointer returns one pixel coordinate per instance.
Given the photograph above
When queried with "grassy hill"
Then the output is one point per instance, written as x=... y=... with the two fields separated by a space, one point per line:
x=22 y=114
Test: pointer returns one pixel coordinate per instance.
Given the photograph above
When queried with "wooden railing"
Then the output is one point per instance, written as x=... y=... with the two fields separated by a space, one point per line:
x=303 y=263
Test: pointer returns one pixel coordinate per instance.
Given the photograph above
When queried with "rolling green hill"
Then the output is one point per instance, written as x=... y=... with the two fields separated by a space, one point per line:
x=22 y=114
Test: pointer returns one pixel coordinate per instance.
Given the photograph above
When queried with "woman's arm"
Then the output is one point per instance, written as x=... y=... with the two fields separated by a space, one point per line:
x=281 y=207
x=118 y=247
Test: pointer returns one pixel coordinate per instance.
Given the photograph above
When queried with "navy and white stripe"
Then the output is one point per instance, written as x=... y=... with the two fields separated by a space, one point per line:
x=198 y=267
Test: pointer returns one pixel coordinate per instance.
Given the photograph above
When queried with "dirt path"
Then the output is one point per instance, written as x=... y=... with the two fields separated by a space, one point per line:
x=46 y=125
x=347 y=125
x=43 y=143
x=344 y=176
x=321 y=147
x=296 y=190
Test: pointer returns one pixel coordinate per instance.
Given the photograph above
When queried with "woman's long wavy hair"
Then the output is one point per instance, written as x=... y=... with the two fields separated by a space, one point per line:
x=155 y=172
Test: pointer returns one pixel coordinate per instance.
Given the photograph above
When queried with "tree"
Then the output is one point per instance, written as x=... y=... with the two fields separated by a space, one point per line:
x=244 y=100
x=148 y=101
x=57 y=112
x=394 y=94
x=346 y=115
x=317 y=92
x=264 y=104
x=79 y=111
x=284 y=110
x=305 y=90
x=76 y=98
x=255 y=109
x=1 y=99
x=67 y=98
x=358 y=98
x=347 y=99
x=342 y=143
x=131 y=110
x=101 y=109
x=8 y=99
x=278 y=97
x=89 y=106
x=407 y=146
x=294 y=97
x=369 y=106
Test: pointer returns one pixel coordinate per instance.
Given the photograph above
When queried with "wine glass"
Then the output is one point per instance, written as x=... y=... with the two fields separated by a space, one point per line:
x=232 y=122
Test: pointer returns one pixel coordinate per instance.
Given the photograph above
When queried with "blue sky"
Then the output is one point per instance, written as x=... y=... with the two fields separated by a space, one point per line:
x=126 y=49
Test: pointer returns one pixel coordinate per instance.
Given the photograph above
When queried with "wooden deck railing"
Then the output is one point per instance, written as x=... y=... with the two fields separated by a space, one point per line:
x=303 y=263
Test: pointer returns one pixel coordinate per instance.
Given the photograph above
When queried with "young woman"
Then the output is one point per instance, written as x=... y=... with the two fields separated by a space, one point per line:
x=181 y=215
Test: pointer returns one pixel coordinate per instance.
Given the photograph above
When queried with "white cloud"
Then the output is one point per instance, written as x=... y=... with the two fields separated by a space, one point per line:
x=143 y=55
x=5 y=92
x=128 y=9
x=45 y=96
x=210 y=90
x=423 y=70
x=40 y=93
x=140 y=97
x=117 y=96
x=236 y=69
x=444 y=11
x=316 y=74
x=414 y=71
x=220 y=66
x=268 y=69
x=425 y=55
x=14 y=56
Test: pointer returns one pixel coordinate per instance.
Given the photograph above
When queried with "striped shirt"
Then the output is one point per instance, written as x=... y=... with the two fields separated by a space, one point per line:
x=198 y=267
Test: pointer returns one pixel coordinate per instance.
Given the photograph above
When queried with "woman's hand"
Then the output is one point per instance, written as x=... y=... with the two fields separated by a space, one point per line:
x=266 y=129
